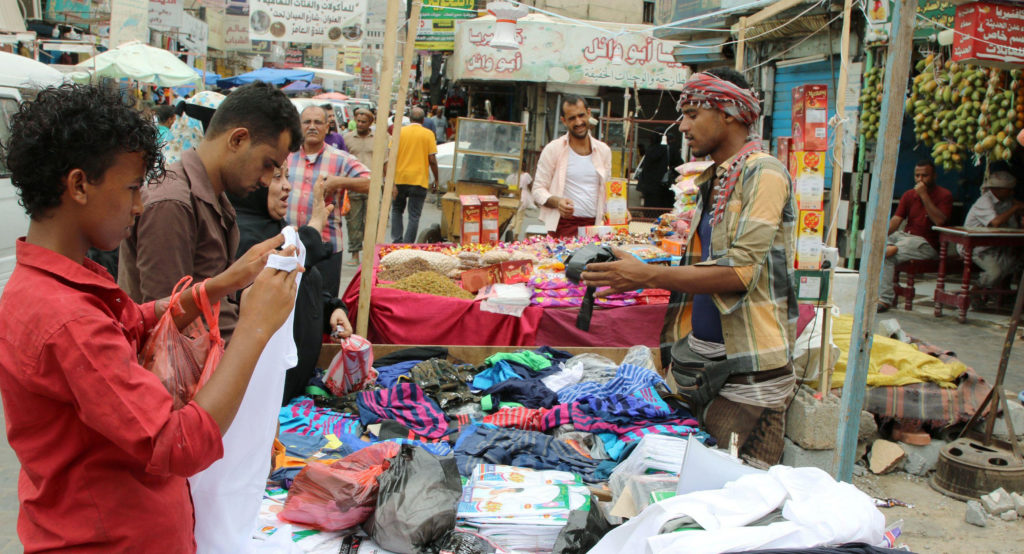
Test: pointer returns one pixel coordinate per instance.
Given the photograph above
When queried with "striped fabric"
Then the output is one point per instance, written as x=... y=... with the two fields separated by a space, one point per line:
x=486 y=444
x=302 y=174
x=519 y=418
x=757 y=238
x=303 y=417
x=407 y=404
x=628 y=379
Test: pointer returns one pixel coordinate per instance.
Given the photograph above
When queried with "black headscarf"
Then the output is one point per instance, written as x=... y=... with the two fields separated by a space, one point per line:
x=254 y=222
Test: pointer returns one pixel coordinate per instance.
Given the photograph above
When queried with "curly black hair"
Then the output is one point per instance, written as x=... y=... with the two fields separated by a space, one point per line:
x=262 y=109
x=74 y=127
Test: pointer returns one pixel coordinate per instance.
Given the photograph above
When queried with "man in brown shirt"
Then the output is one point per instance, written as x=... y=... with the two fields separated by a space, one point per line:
x=360 y=145
x=188 y=226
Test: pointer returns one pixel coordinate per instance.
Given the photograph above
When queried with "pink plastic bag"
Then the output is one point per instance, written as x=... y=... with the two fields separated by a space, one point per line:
x=352 y=368
x=184 y=360
x=341 y=495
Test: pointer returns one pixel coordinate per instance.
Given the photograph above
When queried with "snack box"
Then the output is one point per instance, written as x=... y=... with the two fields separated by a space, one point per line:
x=809 y=180
x=616 y=209
x=673 y=246
x=471 y=218
x=810 y=117
x=515 y=271
x=783 y=148
x=476 y=279
x=810 y=232
x=488 y=219
x=647 y=253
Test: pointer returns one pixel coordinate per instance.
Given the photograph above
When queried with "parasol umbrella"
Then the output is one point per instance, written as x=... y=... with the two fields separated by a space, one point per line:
x=331 y=96
x=141 y=62
x=19 y=71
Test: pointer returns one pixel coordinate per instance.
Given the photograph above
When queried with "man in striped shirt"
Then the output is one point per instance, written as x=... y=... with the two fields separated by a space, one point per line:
x=738 y=306
x=344 y=173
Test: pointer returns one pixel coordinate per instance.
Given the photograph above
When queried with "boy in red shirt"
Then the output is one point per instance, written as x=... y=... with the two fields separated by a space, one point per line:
x=104 y=457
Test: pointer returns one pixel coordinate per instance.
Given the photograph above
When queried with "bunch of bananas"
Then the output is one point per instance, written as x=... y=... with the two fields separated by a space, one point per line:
x=1002 y=114
x=960 y=109
x=871 y=102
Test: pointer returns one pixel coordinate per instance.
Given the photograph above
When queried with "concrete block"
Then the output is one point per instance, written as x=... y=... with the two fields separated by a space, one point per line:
x=922 y=459
x=997 y=501
x=975 y=514
x=1018 y=503
x=885 y=456
x=814 y=424
x=1008 y=515
x=795 y=456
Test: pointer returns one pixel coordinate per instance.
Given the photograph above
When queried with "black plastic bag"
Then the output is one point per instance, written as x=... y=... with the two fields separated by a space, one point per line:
x=417 y=503
x=582 y=531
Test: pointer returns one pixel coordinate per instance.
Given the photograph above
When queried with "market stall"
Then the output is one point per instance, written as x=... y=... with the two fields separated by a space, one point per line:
x=421 y=295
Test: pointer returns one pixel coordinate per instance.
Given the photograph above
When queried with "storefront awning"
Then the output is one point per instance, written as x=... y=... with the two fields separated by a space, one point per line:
x=554 y=52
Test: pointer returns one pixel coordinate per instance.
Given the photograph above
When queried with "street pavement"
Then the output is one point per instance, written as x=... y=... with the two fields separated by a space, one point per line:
x=978 y=343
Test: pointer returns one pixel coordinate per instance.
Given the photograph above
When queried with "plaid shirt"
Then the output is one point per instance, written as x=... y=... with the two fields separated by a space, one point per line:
x=757 y=238
x=302 y=174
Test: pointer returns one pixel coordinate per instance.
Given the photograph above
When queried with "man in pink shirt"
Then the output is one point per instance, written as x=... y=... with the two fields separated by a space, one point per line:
x=571 y=171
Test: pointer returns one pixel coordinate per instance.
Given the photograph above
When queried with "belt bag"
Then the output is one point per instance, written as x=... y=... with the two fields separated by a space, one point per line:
x=698 y=379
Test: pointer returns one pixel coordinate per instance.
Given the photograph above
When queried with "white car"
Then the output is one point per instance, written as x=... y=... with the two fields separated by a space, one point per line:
x=13 y=220
x=445 y=157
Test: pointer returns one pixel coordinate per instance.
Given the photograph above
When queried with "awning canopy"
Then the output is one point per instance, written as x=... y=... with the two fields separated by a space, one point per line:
x=298 y=87
x=267 y=75
x=551 y=51
x=19 y=71
x=141 y=62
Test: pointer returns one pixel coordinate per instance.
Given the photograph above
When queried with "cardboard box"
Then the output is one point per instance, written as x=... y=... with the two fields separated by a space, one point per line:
x=782 y=149
x=674 y=247
x=476 y=279
x=488 y=219
x=810 y=118
x=809 y=235
x=809 y=180
x=515 y=271
x=616 y=209
x=471 y=216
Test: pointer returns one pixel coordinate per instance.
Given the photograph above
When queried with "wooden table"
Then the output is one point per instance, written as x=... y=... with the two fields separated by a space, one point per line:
x=969 y=238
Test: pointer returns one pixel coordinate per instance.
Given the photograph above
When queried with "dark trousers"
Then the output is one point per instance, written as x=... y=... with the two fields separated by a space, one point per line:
x=413 y=196
x=356 y=221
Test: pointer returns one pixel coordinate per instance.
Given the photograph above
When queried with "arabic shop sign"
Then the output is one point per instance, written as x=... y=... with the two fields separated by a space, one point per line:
x=554 y=52
x=437 y=24
x=1001 y=27
x=236 y=33
x=338 y=22
x=165 y=15
x=939 y=11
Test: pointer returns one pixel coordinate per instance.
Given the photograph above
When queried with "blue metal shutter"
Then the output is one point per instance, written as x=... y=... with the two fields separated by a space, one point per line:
x=786 y=78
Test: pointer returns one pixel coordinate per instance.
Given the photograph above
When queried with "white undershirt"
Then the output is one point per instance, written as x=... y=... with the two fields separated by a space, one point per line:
x=582 y=184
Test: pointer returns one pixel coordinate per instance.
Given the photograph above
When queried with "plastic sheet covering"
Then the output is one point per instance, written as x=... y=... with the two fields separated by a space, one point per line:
x=417 y=502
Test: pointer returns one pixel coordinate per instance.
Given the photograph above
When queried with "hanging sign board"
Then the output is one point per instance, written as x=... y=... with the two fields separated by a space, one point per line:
x=989 y=34
x=336 y=22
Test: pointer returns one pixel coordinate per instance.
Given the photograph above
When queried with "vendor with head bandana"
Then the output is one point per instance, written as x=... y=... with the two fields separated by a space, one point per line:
x=732 y=331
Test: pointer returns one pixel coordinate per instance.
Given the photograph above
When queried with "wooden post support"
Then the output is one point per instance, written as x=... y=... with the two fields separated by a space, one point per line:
x=740 y=40
x=380 y=146
x=836 y=193
x=403 y=87
x=897 y=70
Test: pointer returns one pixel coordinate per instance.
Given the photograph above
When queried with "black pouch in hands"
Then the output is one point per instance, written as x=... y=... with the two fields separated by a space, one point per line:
x=575 y=265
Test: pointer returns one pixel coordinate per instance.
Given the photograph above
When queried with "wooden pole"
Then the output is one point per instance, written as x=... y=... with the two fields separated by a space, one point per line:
x=836 y=194
x=403 y=87
x=380 y=145
x=897 y=70
x=740 y=40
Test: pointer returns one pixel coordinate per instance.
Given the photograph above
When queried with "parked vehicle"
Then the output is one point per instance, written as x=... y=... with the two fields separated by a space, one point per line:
x=13 y=220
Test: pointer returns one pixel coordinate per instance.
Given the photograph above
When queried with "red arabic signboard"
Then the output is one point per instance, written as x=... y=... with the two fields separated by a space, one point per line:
x=989 y=34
